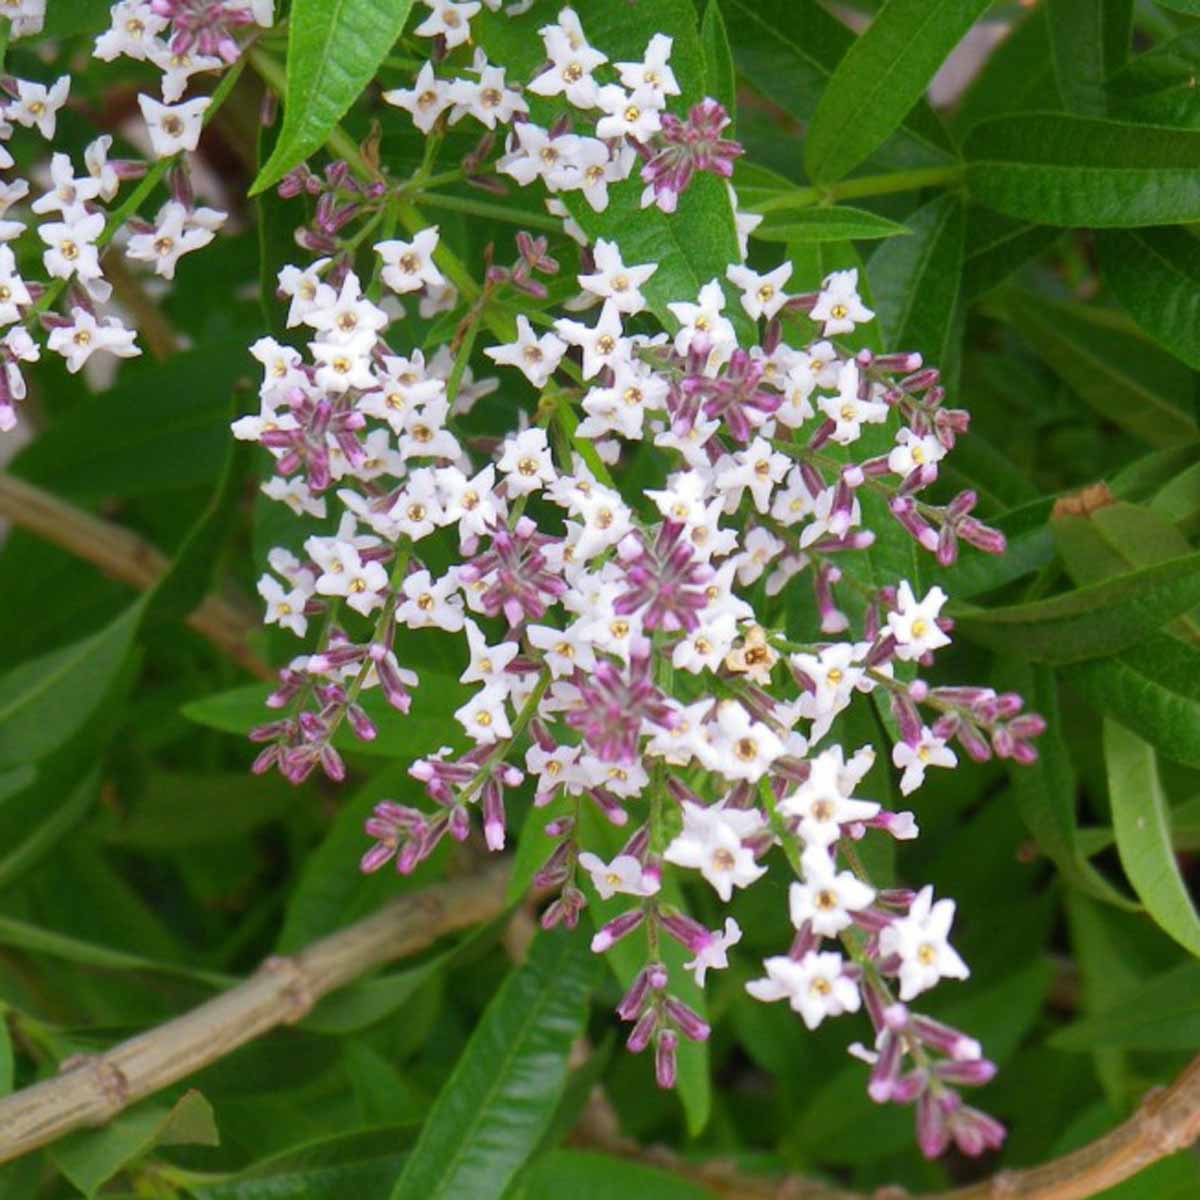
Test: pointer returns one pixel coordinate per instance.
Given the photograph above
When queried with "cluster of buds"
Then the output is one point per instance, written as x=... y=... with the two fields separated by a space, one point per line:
x=612 y=616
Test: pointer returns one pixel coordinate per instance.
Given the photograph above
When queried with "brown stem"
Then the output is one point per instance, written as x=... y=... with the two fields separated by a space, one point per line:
x=1167 y=1121
x=94 y=1089
x=127 y=557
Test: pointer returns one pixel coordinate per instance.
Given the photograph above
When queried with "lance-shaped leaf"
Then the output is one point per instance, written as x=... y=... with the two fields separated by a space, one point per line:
x=1090 y=42
x=1066 y=170
x=334 y=49
x=718 y=59
x=1155 y=275
x=885 y=72
x=1142 y=823
x=1122 y=376
x=839 y=224
x=1090 y=622
x=492 y=1110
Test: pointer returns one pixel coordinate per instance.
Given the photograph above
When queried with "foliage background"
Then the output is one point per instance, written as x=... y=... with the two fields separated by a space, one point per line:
x=1050 y=268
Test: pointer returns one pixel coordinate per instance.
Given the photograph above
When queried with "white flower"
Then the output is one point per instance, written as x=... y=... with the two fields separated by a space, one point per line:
x=930 y=751
x=484 y=717
x=36 y=105
x=603 y=344
x=913 y=451
x=13 y=292
x=308 y=293
x=848 y=410
x=362 y=584
x=296 y=494
x=827 y=897
x=614 y=281
x=839 y=304
x=714 y=954
x=173 y=128
x=815 y=987
x=920 y=941
x=470 y=502
x=711 y=842
x=488 y=663
x=704 y=319
x=538 y=155
x=563 y=650
x=762 y=295
x=431 y=604
x=408 y=266
x=914 y=626
x=426 y=100
x=633 y=115
x=173 y=236
x=284 y=607
x=66 y=193
x=757 y=467
x=451 y=19
x=741 y=747
x=823 y=802
x=526 y=462
x=834 y=674
x=134 y=29
x=72 y=249
x=653 y=71
x=178 y=68
x=79 y=340
x=572 y=62
x=624 y=875
x=346 y=318
x=536 y=357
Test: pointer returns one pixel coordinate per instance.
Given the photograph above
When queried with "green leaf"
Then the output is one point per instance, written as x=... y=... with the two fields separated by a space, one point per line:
x=1155 y=275
x=46 y=834
x=1153 y=689
x=13 y=782
x=1046 y=791
x=1121 y=375
x=789 y=49
x=884 y=73
x=45 y=701
x=1090 y=622
x=997 y=246
x=718 y=60
x=1067 y=170
x=6 y=1057
x=361 y=1165
x=81 y=16
x=916 y=283
x=1090 y=42
x=580 y=1175
x=1160 y=1014
x=91 y=1158
x=499 y=1099
x=838 y=224
x=1143 y=829
x=364 y=1004
x=57 y=945
x=334 y=49
x=400 y=736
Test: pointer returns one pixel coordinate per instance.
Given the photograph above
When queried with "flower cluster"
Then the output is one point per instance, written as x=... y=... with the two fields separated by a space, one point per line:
x=676 y=658
x=180 y=38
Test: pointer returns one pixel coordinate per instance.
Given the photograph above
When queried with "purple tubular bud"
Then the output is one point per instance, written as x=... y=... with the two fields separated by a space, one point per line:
x=933 y=1134
x=966 y=1074
x=616 y=929
x=886 y=1071
x=689 y=1022
x=332 y=764
x=265 y=760
x=643 y=1031
x=975 y=1132
x=459 y=823
x=363 y=726
x=908 y=1087
x=556 y=868
x=945 y=1039
x=493 y=815
x=690 y=934
x=658 y=975
x=560 y=827
x=664 y=1058
x=971 y=741
x=634 y=1000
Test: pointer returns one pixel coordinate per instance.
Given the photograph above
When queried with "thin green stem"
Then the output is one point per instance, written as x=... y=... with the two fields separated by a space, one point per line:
x=484 y=208
x=866 y=185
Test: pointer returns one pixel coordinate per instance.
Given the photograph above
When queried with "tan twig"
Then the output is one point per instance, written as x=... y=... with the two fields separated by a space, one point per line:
x=95 y=1088
x=127 y=557
x=1167 y=1121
